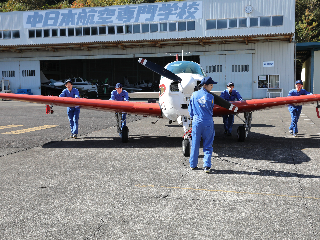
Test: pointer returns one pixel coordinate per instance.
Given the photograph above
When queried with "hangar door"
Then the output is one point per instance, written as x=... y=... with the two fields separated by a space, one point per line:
x=235 y=68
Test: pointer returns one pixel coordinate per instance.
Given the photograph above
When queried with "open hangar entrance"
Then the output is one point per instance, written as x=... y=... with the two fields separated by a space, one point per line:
x=108 y=70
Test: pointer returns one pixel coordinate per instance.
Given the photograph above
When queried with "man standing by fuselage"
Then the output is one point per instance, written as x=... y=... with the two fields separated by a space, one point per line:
x=201 y=110
x=230 y=94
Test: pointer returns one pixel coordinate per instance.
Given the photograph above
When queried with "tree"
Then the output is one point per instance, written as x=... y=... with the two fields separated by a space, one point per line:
x=307 y=17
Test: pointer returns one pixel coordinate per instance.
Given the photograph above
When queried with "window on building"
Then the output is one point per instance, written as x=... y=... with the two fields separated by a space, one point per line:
x=213 y=68
x=6 y=34
x=78 y=31
x=6 y=74
x=128 y=29
x=172 y=27
x=136 y=28
x=233 y=23
x=15 y=34
x=211 y=24
x=253 y=22
x=63 y=32
x=163 y=27
x=38 y=33
x=94 y=31
x=0 y=34
x=28 y=73
x=274 y=81
x=32 y=33
x=191 y=25
x=54 y=32
x=102 y=30
x=111 y=30
x=182 y=26
x=70 y=32
x=46 y=33
x=144 y=28
x=153 y=27
x=222 y=23
x=120 y=29
x=243 y=22
x=277 y=20
x=269 y=81
x=240 y=68
x=265 y=21
x=86 y=31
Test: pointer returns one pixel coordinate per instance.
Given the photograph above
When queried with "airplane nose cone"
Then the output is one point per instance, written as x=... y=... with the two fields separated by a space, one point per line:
x=188 y=83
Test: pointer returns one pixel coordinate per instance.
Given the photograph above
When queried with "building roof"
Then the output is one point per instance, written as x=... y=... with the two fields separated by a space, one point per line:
x=246 y=39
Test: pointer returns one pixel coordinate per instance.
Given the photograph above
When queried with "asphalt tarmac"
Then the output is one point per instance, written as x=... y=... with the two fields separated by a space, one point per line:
x=95 y=187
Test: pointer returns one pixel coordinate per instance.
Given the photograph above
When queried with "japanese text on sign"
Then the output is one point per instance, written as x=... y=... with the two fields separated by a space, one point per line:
x=113 y=15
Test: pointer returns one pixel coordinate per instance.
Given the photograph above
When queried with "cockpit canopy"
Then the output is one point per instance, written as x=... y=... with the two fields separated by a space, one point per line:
x=185 y=67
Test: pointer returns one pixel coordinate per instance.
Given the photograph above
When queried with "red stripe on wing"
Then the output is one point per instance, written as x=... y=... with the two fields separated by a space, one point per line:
x=142 y=108
x=265 y=103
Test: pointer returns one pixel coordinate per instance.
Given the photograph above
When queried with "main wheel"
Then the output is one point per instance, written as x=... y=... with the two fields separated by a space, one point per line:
x=241 y=133
x=186 y=147
x=125 y=134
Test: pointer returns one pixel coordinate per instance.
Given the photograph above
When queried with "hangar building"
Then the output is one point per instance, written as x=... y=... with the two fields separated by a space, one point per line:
x=250 y=43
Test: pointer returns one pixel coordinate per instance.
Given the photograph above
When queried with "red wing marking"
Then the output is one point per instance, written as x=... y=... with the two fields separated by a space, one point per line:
x=141 y=108
x=265 y=103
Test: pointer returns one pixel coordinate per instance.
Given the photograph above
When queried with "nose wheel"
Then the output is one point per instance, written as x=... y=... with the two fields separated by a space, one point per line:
x=186 y=143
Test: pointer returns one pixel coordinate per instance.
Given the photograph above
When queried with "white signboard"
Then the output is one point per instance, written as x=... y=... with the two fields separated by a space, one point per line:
x=170 y=11
x=268 y=64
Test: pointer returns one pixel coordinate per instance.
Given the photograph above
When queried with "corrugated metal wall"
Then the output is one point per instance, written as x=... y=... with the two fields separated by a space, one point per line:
x=211 y=9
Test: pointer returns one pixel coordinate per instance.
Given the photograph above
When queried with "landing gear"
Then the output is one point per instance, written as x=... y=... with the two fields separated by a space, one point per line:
x=244 y=130
x=186 y=143
x=241 y=132
x=186 y=147
x=125 y=134
x=123 y=131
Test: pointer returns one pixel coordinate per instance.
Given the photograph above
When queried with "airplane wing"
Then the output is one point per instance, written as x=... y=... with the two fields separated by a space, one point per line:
x=154 y=109
x=141 y=108
x=265 y=103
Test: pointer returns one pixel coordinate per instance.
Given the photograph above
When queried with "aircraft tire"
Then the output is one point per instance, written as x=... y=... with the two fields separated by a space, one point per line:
x=125 y=134
x=241 y=131
x=186 y=147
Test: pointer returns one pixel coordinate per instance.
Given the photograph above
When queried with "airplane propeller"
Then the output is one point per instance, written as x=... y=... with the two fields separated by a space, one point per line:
x=160 y=70
x=170 y=75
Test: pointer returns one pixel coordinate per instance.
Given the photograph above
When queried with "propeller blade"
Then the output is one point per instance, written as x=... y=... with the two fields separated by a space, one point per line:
x=160 y=70
x=224 y=103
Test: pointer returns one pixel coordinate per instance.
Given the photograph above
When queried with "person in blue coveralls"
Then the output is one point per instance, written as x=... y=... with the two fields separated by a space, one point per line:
x=201 y=109
x=120 y=95
x=73 y=112
x=230 y=94
x=296 y=110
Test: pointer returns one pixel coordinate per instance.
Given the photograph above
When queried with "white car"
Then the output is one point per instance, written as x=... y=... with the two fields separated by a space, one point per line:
x=80 y=84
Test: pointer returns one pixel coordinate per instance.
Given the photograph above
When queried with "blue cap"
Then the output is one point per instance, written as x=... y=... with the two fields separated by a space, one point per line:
x=68 y=80
x=230 y=84
x=299 y=82
x=207 y=81
x=118 y=85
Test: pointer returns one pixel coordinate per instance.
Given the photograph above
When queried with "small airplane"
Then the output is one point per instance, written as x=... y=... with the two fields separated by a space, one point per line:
x=178 y=81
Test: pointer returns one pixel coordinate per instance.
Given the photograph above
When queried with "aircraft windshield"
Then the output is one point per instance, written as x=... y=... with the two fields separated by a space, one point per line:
x=185 y=67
